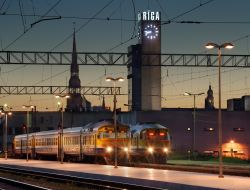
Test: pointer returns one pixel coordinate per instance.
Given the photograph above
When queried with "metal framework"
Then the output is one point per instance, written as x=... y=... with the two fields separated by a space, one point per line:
x=47 y=90
x=119 y=59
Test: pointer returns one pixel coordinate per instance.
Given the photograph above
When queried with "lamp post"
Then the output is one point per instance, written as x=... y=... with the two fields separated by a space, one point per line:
x=27 y=129
x=5 y=134
x=194 y=118
x=114 y=80
x=219 y=47
x=61 y=139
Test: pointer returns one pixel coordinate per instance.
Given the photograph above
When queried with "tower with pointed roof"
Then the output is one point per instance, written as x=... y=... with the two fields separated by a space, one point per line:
x=76 y=102
x=209 y=101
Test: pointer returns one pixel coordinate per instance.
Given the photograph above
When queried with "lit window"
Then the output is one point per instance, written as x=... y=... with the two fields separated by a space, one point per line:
x=209 y=129
x=238 y=129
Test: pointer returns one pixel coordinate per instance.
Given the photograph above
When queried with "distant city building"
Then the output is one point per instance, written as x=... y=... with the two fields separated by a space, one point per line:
x=76 y=102
x=209 y=101
x=144 y=81
x=101 y=108
x=239 y=104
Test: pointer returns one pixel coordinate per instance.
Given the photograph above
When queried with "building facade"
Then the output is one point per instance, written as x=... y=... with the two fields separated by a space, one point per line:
x=144 y=71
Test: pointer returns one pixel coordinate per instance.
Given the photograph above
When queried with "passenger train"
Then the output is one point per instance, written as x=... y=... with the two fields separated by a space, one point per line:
x=97 y=139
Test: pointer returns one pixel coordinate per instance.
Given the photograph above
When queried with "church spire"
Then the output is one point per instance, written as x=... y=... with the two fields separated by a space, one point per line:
x=74 y=66
x=209 y=101
x=74 y=81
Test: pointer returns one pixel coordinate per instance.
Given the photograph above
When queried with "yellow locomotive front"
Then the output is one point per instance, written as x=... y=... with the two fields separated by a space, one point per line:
x=105 y=140
x=150 y=142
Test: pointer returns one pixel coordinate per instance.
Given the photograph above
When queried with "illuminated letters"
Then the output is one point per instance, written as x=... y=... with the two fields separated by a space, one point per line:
x=148 y=15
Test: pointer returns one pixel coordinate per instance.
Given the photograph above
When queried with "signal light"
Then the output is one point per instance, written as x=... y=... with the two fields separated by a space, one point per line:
x=151 y=134
x=162 y=134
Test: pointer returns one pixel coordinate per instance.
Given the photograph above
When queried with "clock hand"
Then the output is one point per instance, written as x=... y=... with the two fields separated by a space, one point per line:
x=147 y=32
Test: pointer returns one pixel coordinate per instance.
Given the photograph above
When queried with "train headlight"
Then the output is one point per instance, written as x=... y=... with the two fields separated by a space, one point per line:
x=125 y=149
x=150 y=149
x=165 y=150
x=109 y=149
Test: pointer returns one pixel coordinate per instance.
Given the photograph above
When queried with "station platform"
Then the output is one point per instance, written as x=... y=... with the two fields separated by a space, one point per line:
x=164 y=179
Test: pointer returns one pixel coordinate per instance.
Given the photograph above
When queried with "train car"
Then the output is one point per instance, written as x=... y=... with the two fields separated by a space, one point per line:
x=39 y=144
x=150 y=142
x=94 y=139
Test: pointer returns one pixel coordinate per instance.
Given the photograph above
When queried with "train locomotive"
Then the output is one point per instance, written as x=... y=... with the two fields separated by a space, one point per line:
x=150 y=142
x=96 y=140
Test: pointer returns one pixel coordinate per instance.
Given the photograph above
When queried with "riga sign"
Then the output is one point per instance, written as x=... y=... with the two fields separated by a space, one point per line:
x=149 y=16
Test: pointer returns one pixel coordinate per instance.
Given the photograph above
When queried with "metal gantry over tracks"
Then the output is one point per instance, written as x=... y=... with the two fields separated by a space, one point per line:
x=47 y=90
x=119 y=59
x=110 y=59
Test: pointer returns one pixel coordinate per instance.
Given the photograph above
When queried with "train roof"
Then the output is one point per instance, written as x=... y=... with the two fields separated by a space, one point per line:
x=94 y=126
x=50 y=132
x=141 y=126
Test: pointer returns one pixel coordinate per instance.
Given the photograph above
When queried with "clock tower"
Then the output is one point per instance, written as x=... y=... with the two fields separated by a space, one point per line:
x=144 y=71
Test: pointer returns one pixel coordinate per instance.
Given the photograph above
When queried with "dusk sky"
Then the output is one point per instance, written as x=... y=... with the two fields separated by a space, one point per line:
x=102 y=34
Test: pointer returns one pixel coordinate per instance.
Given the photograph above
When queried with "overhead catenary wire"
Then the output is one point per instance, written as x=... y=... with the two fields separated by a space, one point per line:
x=2 y=5
x=21 y=35
x=23 y=18
x=188 y=11
x=82 y=26
x=46 y=19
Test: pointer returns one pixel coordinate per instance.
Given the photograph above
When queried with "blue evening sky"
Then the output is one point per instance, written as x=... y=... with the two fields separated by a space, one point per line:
x=101 y=35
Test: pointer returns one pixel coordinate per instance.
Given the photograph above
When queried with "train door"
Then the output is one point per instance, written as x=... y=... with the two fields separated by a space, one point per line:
x=33 y=147
x=58 y=146
x=137 y=142
x=81 y=144
x=95 y=141
x=21 y=147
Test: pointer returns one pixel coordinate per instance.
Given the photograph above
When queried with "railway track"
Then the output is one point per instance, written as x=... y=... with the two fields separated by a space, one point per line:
x=9 y=184
x=94 y=184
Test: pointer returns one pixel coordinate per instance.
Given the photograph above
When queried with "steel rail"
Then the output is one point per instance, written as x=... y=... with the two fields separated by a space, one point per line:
x=20 y=184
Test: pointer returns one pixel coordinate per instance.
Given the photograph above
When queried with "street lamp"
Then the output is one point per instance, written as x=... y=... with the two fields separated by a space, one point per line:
x=194 y=120
x=61 y=142
x=5 y=141
x=219 y=47
x=27 y=129
x=114 y=80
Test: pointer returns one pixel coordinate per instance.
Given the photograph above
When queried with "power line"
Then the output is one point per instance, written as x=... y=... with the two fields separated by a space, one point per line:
x=186 y=12
x=20 y=36
x=2 y=5
x=82 y=26
x=45 y=19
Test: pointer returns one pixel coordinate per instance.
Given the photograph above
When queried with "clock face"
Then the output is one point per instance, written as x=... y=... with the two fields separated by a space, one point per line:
x=151 y=31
